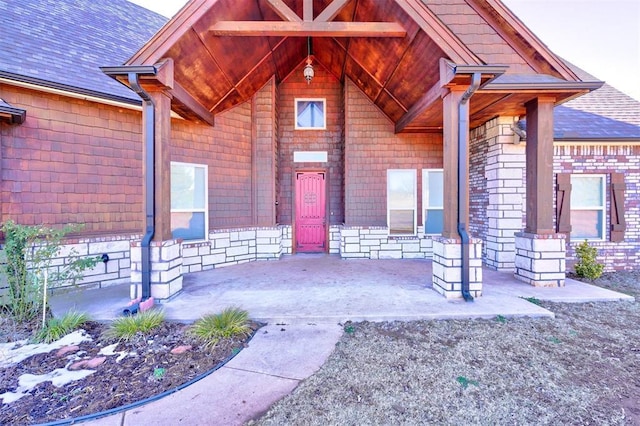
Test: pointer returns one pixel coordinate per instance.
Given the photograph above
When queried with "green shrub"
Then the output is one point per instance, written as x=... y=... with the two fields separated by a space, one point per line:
x=57 y=328
x=587 y=265
x=29 y=252
x=231 y=322
x=126 y=328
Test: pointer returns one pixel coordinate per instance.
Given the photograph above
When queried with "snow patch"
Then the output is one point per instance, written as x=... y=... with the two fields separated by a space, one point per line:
x=58 y=377
x=15 y=352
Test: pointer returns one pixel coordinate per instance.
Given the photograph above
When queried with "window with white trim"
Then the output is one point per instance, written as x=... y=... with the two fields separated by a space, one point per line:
x=310 y=114
x=588 y=206
x=433 y=201
x=401 y=201
x=189 y=207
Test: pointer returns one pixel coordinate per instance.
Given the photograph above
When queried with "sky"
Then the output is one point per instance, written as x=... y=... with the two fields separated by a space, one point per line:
x=600 y=36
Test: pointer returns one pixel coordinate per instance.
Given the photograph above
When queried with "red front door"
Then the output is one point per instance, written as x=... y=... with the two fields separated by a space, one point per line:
x=311 y=218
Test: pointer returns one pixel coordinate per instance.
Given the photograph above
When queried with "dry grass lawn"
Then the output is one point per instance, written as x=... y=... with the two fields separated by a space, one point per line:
x=580 y=368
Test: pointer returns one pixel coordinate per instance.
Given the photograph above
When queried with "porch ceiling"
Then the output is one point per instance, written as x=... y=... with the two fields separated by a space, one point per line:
x=400 y=73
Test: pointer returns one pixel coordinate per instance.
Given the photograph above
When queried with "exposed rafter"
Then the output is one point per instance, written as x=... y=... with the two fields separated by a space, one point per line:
x=182 y=96
x=304 y=29
x=331 y=11
x=428 y=99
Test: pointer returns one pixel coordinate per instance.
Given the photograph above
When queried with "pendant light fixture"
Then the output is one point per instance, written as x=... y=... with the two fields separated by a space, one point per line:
x=308 y=71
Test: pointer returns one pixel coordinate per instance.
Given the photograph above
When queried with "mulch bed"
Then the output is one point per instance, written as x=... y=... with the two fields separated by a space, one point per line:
x=152 y=370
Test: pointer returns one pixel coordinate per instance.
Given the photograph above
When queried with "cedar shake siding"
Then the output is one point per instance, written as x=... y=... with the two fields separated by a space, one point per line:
x=72 y=161
x=331 y=140
x=371 y=149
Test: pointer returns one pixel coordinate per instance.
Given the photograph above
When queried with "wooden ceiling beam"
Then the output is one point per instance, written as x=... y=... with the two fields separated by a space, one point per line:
x=433 y=94
x=180 y=94
x=307 y=10
x=331 y=11
x=283 y=11
x=304 y=29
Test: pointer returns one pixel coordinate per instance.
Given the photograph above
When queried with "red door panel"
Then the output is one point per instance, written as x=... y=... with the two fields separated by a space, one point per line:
x=311 y=218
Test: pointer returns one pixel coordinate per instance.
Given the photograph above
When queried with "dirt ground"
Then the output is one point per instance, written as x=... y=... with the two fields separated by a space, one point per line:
x=580 y=368
x=148 y=370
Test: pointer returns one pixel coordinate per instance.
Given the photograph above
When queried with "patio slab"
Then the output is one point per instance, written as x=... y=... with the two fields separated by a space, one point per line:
x=305 y=289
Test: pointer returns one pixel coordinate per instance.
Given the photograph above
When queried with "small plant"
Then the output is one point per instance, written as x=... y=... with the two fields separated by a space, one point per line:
x=126 y=328
x=349 y=329
x=30 y=252
x=587 y=265
x=159 y=372
x=501 y=319
x=231 y=322
x=56 y=328
x=533 y=300
x=465 y=382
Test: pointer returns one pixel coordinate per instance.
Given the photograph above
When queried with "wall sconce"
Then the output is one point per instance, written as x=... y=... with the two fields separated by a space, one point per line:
x=308 y=71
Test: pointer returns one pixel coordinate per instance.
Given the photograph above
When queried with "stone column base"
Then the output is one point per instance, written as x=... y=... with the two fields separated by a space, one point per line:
x=166 y=269
x=541 y=259
x=447 y=273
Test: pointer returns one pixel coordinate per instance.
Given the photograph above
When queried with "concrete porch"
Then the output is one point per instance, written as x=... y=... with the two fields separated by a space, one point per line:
x=324 y=288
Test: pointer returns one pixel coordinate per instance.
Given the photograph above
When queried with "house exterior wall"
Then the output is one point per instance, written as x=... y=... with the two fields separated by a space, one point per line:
x=327 y=87
x=371 y=148
x=71 y=161
x=605 y=158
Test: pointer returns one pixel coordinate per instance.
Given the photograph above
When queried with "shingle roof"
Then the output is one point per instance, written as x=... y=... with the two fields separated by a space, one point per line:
x=602 y=114
x=65 y=41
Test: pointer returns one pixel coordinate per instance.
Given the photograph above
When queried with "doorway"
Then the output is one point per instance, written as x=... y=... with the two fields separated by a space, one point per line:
x=311 y=212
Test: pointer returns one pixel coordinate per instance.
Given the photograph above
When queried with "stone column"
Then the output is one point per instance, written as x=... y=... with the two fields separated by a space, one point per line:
x=504 y=173
x=540 y=252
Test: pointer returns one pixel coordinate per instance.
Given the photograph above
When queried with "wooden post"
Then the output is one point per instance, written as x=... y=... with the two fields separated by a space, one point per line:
x=539 y=153
x=450 y=161
x=162 y=166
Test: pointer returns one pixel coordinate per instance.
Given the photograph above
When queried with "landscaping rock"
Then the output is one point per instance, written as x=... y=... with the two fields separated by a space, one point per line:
x=87 y=363
x=65 y=350
x=181 y=349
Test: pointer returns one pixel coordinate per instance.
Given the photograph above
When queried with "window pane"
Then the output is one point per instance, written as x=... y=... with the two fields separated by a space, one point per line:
x=433 y=221
x=586 y=224
x=187 y=187
x=435 y=189
x=199 y=188
x=586 y=191
x=310 y=114
x=401 y=222
x=401 y=187
x=188 y=226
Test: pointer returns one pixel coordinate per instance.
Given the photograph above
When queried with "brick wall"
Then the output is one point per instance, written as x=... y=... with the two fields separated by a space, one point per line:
x=618 y=158
x=478 y=195
x=372 y=147
x=324 y=85
x=72 y=161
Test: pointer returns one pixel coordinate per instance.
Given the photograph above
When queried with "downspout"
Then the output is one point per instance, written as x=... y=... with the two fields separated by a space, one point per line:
x=463 y=178
x=149 y=182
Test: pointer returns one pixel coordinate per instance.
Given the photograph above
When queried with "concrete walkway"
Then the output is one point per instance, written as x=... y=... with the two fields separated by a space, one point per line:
x=304 y=299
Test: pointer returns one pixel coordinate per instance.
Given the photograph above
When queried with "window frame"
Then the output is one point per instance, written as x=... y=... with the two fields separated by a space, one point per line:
x=425 y=199
x=602 y=208
x=414 y=172
x=324 y=114
x=205 y=209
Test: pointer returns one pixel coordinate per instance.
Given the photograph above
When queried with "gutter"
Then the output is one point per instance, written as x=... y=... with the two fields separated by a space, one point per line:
x=463 y=178
x=149 y=108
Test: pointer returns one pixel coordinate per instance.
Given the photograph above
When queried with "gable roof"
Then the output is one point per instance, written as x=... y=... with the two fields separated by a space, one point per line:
x=223 y=51
x=61 y=43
